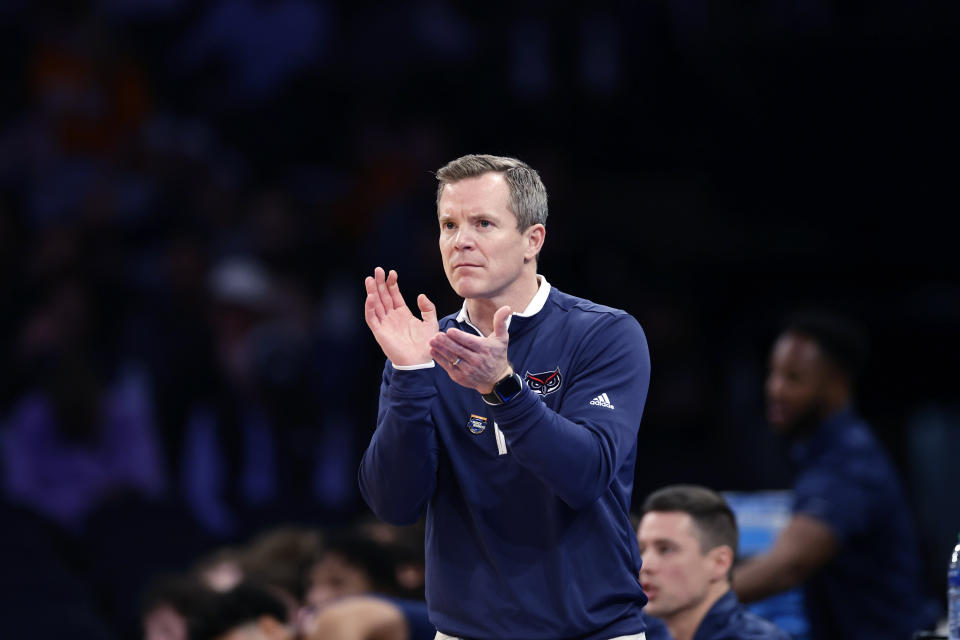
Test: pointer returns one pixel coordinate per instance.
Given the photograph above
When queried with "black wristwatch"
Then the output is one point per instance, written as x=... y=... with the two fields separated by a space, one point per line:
x=504 y=390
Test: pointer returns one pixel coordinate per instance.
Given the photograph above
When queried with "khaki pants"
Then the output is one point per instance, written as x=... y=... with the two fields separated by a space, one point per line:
x=638 y=636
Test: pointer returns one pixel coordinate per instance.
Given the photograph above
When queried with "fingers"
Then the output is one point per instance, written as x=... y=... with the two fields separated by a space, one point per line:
x=381 y=279
x=370 y=313
x=449 y=368
x=383 y=294
x=394 y=290
x=464 y=339
x=370 y=285
x=428 y=311
x=373 y=308
x=444 y=350
x=500 y=323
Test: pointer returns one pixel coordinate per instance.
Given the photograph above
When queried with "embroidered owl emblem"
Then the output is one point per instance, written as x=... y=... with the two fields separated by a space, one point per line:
x=544 y=383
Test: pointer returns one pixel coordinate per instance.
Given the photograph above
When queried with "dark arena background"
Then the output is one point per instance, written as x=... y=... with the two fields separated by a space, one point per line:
x=191 y=194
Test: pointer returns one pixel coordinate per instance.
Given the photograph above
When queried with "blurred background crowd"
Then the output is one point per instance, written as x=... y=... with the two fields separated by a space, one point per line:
x=192 y=192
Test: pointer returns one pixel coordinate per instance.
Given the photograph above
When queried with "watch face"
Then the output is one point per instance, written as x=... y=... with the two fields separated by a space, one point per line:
x=504 y=390
x=509 y=387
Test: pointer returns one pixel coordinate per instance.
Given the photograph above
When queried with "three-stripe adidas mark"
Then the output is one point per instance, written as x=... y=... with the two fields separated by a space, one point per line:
x=602 y=401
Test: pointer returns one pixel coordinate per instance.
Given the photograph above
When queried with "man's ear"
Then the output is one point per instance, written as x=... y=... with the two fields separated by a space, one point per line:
x=721 y=560
x=535 y=235
x=837 y=384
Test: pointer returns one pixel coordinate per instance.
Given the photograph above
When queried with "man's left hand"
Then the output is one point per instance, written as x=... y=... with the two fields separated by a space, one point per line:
x=471 y=361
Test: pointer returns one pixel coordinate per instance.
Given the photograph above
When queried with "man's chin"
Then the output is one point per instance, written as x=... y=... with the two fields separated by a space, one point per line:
x=652 y=602
x=467 y=289
x=797 y=427
x=781 y=420
x=782 y=427
x=652 y=609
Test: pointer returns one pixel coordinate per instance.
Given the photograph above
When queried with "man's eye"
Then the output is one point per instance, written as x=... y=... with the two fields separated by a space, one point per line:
x=484 y=223
x=447 y=225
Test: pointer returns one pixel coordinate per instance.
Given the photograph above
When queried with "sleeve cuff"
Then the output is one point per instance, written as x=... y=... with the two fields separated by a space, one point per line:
x=414 y=367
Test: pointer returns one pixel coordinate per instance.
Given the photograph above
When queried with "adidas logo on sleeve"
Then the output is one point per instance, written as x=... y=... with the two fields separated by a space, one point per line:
x=602 y=401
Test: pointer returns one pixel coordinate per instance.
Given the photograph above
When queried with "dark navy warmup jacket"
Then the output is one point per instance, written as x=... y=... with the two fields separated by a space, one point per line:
x=528 y=533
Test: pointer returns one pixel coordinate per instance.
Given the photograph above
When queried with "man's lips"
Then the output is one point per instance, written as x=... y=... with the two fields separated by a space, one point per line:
x=465 y=264
x=648 y=589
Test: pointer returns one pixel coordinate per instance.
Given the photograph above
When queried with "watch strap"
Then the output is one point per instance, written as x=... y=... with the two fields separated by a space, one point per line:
x=505 y=389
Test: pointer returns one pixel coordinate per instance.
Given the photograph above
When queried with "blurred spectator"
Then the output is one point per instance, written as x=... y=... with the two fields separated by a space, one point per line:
x=341 y=581
x=83 y=430
x=353 y=564
x=688 y=540
x=175 y=608
x=249 y=612
x=245 y=612
x=88 y=98
x=280 y=559
x=406 y=548
x=91 y=92
x=350 y=564
x=851 y=541
x=247 y=455
x=370 y=618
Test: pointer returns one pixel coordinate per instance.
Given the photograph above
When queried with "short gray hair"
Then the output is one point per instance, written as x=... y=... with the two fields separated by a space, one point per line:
x=528 y=196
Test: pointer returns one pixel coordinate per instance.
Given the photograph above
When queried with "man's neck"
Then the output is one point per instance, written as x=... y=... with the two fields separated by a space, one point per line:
x=481 y=310
x=810 y=424
x=684 y=624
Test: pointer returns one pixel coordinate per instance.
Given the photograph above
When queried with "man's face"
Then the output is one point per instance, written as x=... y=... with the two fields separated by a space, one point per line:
x=796 y=383
x=483 y=252
x=675 y=574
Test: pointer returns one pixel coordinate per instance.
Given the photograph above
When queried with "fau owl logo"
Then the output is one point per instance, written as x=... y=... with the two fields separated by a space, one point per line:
x=544 y=383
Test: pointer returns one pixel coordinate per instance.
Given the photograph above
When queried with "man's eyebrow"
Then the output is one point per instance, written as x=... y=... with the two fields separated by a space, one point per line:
x=481 y=214
x=469 y=216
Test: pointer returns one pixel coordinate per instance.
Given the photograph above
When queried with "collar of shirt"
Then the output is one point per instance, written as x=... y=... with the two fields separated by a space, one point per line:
x=824 y=437
x=718 y=617
x=533 y=307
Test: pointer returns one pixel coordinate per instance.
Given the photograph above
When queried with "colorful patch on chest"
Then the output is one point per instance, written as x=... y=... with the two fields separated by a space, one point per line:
x=476 y=424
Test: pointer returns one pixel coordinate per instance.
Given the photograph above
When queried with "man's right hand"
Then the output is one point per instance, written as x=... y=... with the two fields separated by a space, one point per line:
x=403 y=338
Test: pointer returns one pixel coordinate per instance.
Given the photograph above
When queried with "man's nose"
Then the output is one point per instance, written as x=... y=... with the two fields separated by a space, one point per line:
x=646 y=564
x=464 y=238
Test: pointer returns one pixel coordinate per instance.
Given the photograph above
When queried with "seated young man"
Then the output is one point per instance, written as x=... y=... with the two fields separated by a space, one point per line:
x=688 y=541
